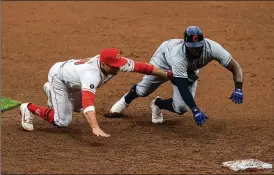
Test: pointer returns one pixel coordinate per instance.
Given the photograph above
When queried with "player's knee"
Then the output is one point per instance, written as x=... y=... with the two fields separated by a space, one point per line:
x=62 y=123
x=180 y=108
x=181 y=112
x=59 y=125
x=141 y=92
x=62 y=120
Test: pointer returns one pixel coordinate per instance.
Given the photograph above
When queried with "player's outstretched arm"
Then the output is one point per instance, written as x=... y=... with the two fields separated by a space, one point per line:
x=88 y=98
x=163 y=74
x=234 y=67
x=182 y=85
x=91 y=118
x=224 y=57
x=145 y=68
x=149 y=69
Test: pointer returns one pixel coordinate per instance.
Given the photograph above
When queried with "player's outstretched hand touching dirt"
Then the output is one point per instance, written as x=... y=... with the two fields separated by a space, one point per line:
x=91 y=118
x=199 y=117
x=98 y=132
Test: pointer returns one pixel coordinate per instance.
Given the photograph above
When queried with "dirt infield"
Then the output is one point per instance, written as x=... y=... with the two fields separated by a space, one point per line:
x=37 y=34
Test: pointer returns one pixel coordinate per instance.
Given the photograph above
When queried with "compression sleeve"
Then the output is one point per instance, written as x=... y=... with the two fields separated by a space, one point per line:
x=182 y=84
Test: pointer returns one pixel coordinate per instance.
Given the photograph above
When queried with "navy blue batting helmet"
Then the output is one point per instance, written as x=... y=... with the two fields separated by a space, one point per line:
x=193 y=37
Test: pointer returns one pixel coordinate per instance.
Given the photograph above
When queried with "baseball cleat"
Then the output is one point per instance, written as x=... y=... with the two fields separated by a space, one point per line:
x=27 y=118
x=119 y=106
x=47 y=92
x=157 y=116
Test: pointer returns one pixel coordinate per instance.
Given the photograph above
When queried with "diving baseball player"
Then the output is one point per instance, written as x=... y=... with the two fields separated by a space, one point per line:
x=72 y=86
x=184 y=57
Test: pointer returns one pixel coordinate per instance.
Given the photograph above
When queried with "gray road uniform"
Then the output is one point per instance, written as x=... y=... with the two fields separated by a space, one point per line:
x=171 y=55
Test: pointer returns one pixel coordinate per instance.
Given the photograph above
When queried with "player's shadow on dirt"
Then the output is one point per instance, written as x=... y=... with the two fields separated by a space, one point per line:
x=167 y=125
x=53 y=130
x=88 y=141
x=74 y=132
x=115 y=115
x=185 y=128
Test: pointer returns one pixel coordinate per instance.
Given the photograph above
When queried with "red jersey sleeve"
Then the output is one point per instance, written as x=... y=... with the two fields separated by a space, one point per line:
x=88 y=99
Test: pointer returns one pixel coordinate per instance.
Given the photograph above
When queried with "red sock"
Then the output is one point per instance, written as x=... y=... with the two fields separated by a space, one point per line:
x=45 y=113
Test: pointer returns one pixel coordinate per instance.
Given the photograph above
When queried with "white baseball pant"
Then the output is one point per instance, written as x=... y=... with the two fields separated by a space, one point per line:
x=63 y=101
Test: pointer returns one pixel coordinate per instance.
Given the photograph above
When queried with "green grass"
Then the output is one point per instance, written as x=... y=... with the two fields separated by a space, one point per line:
x=7 y=104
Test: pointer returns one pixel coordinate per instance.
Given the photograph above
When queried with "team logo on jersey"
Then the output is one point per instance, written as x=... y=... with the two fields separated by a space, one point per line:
x=81 y=61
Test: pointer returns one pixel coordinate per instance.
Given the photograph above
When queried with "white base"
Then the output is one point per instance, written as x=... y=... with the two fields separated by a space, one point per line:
x=246 y=164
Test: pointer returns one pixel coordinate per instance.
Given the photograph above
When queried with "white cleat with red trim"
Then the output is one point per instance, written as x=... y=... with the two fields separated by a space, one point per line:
x=27 y=118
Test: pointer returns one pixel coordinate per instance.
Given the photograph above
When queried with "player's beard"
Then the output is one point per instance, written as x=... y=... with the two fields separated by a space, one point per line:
x=107 y=69
x=194 y=53
x=114 y=71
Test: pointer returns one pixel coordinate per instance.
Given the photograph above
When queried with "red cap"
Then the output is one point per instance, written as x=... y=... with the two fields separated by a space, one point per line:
x=111 y=56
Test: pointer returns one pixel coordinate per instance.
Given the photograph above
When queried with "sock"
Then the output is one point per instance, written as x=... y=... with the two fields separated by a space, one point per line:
x=131 y=95
x=45 y=113
x=165 y=104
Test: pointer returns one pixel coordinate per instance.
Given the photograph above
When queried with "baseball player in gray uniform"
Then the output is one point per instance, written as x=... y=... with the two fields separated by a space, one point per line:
x=184 y=57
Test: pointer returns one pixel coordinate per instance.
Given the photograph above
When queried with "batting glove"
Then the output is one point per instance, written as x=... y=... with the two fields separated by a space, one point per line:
x=237 y=96
x=199 y=117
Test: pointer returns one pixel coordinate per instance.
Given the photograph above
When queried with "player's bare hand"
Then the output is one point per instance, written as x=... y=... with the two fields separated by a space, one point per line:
x=98 y=132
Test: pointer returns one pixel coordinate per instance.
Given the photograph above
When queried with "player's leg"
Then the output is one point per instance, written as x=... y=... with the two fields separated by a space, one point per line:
x=175 y=104
x=47 y=92
x=27 y=111
x=144 y=88
x=60 y=115
x=75 y=98
x=76 y=101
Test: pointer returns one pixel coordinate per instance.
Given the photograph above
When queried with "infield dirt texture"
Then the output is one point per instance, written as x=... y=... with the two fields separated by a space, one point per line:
x=35 y=35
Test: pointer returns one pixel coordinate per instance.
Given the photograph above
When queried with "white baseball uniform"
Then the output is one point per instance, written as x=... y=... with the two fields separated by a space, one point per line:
x=68 y=80
x=171 y=55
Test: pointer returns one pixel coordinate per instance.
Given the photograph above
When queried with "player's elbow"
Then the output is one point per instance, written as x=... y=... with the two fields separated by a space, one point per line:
x=234 y=67
x=237 y=69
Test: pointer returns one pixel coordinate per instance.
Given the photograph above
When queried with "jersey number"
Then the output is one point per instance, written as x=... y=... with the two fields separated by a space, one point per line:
x=82 y=61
